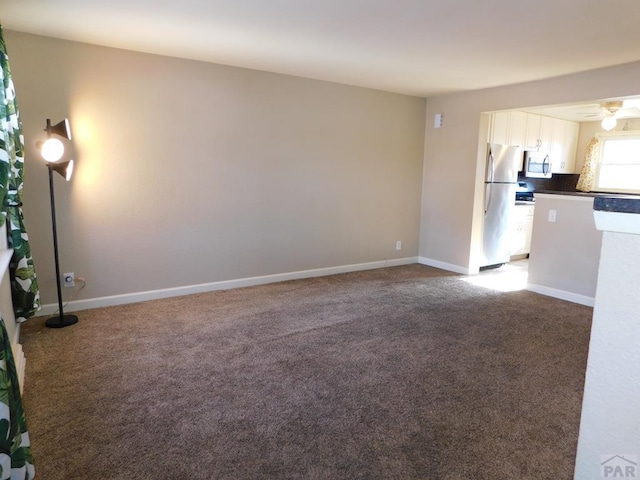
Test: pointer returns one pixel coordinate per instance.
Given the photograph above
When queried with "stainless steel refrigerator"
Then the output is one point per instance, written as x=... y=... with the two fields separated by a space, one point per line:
x=501 y=179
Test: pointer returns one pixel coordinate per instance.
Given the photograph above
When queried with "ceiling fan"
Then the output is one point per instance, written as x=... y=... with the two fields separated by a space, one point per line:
x=606 y=109
x=611 y=111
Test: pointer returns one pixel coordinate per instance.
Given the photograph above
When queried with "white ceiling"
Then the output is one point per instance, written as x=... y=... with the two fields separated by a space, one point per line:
x=417 y=47
x=591 y=112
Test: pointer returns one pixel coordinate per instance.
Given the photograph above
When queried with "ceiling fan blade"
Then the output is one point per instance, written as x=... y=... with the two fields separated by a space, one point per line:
x=628 y=112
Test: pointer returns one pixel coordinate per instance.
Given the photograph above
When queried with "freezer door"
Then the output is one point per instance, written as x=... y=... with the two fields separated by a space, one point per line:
x=499 y=205
x=503 y=162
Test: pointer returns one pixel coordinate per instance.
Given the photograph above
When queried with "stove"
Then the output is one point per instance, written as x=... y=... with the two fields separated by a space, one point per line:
x=524 y=193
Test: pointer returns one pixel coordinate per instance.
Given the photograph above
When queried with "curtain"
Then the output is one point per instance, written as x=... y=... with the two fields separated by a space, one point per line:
x=24 y=285
x=16 y=462
x=585 y=182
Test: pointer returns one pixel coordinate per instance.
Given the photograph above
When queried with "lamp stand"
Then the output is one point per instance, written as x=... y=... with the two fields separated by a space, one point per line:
x=61 y=320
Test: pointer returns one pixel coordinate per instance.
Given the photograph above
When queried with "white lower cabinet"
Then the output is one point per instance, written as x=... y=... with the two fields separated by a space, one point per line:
x=521 y=229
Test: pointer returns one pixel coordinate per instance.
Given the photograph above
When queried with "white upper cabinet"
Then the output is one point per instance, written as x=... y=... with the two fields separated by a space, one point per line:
x=563 y=146
x=529 y=131
x=546 y=133
x=517 y=129
x=539 y=133
x=532 y=135
x=509 y=128
x=499 y=130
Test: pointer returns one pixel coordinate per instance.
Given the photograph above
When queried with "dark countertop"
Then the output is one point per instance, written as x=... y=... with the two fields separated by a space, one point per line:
x=618 y=203
x=605 y=202
x=576 y=193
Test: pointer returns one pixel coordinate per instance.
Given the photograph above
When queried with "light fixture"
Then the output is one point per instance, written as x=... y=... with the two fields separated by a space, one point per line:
x=52 y=151
x=65 y=169
x=61 y=128
x=609 y=122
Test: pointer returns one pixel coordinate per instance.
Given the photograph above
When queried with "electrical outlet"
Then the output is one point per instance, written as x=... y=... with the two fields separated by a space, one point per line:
x=69 y=279
x=399 y=245
x=553 y=215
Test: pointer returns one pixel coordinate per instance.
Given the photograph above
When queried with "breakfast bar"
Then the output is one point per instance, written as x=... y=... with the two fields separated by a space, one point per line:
x=565 y=247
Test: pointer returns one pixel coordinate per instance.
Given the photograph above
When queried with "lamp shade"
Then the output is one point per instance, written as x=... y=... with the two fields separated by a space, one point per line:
x=64 y=168
x=52 y=150
x=61 y=128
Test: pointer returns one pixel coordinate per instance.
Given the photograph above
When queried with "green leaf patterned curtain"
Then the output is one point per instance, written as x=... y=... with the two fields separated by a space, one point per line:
x=16 y=462
x=25 y=293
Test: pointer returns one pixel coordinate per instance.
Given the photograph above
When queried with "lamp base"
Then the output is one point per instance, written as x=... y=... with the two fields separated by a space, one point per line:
x=61 y=321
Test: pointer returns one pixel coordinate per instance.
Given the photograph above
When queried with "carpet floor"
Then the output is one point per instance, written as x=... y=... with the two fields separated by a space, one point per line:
x=397 y=373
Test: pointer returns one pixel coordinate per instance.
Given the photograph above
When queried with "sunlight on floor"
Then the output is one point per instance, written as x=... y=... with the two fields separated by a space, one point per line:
x=508 y=278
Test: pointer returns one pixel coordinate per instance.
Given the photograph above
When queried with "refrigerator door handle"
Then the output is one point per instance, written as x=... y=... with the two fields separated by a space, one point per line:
x=487 y=197
x=490 y=167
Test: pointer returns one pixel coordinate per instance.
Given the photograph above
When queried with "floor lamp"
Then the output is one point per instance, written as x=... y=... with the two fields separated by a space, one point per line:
x=52 y=150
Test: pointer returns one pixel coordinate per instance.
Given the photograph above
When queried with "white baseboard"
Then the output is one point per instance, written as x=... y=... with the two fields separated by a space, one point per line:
x=444 y=266
x=561 y=294
x=51 y=308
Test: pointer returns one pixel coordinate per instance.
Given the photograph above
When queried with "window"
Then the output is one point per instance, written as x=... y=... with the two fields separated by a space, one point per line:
x=618 y=168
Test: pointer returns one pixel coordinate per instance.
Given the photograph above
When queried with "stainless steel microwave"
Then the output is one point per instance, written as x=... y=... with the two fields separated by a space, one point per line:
x=537 y=164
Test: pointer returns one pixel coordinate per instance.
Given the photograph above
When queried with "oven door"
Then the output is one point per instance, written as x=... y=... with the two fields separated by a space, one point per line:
x=537 y=165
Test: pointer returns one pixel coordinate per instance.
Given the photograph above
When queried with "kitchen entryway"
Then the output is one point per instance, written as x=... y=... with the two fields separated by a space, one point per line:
x=509 y=277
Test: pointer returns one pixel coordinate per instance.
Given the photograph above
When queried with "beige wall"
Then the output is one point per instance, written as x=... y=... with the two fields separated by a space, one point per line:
x=193 y=173
x=451 y=222
x=190 y=173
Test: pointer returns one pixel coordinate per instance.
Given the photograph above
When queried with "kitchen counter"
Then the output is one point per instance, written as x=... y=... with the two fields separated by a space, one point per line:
x=609 y=420
x=576 y=193
x=617 y=213
x=565 y=247
x=567 y=239
x=617 y=203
